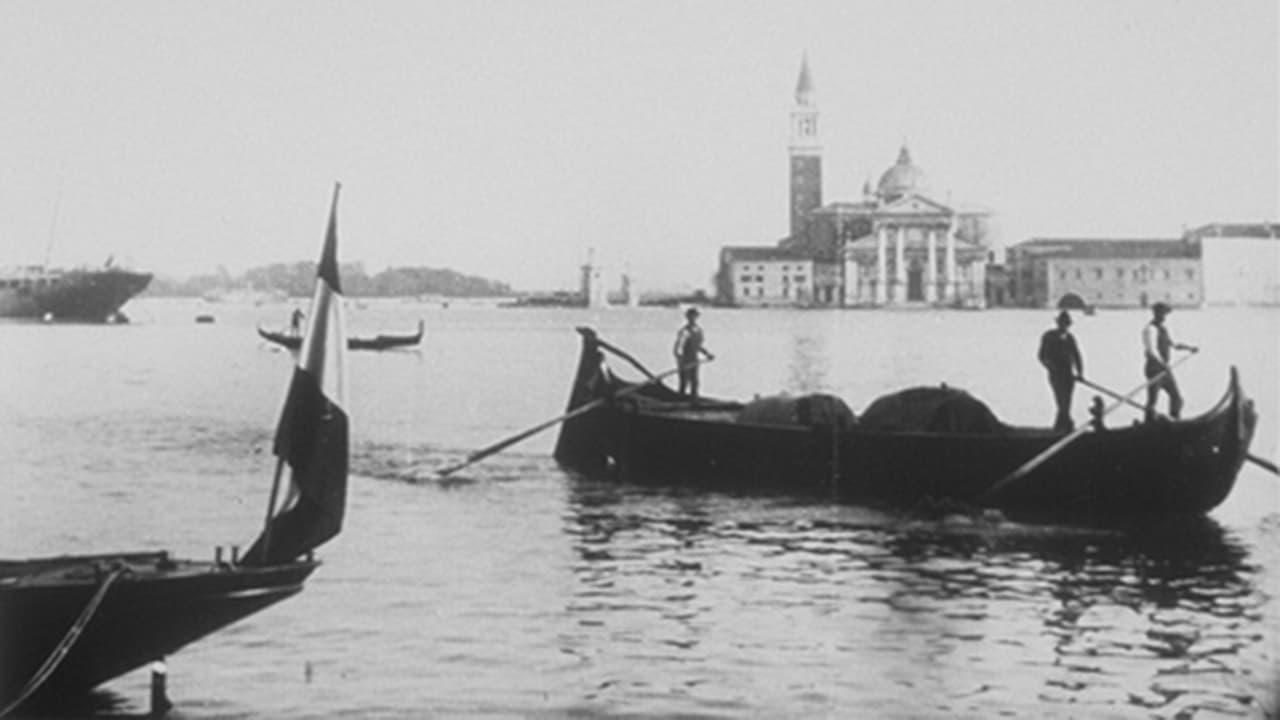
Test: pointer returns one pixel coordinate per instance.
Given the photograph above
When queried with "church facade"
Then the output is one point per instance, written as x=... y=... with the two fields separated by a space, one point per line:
x=896 y=246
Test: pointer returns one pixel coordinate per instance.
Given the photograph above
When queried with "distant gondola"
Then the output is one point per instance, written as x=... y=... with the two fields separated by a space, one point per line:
x=920 y=444
x=377 y=342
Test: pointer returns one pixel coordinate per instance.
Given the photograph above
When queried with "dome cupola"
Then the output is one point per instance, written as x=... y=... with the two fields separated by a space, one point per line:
x=902 y=178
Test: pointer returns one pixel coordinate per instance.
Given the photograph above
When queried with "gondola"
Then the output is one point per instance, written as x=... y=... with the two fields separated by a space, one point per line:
x=377 y=342
x=72 y=622
x=923 y=444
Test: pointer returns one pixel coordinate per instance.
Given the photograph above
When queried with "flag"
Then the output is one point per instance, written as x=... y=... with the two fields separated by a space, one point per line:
x=312 y=435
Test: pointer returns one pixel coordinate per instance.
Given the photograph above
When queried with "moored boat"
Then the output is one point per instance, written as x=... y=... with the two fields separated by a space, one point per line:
x=72 y=622
x=923 y=443
x=86 y=295
x=376 y=342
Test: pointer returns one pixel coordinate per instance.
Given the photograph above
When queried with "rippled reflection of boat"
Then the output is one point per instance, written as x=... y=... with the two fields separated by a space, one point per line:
x=70 y=623
x=814 y=445
x=79 y=295
x=383 y=341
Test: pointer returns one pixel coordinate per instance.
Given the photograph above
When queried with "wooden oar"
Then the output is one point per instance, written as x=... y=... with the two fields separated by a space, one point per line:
x=1035 y=462
x=501 y=445
x=1260 y=462
x=627 y=356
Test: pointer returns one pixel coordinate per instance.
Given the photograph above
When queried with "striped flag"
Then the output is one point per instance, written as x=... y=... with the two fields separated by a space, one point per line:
x=312 y=436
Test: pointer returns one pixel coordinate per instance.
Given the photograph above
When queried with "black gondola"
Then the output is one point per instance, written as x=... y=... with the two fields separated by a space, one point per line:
x=922 y=444
x=377 y=342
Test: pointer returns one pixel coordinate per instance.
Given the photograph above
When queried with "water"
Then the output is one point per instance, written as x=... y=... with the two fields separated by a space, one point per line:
x=516 y=590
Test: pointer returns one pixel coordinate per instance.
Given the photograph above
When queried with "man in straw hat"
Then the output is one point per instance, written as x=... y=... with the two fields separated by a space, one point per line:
x=1157 y=344
x=687 y=349
x=1061 y=357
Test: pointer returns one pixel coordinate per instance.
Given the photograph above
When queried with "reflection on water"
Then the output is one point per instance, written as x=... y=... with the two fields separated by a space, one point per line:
x=807 y=370
x=938 y=616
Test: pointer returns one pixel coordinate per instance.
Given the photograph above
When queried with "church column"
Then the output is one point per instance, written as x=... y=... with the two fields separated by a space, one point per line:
x=899 y=266
x=882 y=275
x=931 y=270
x=849 y=287
x=950 y=288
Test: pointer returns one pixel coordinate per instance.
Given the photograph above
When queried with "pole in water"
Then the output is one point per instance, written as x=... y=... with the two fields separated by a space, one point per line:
x=160 y=704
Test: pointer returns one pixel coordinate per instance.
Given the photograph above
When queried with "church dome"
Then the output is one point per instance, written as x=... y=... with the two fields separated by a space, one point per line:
x=904 y=177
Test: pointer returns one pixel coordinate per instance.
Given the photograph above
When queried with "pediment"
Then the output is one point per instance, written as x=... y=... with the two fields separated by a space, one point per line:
x=913 y=204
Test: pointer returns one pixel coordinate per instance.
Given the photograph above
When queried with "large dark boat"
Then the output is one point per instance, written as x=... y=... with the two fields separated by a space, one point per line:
x=382 y=341
x=70 y=623
x=935 y=444
x=85 y=295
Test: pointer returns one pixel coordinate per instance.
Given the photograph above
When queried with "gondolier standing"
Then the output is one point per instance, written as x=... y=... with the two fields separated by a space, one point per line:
x=1061 y=357
x=1157 y=344
x=689 y=345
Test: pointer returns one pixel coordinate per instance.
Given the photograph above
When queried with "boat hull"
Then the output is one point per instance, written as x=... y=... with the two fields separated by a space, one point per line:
x=73 y=295
x=152 y=609
x=653 y=435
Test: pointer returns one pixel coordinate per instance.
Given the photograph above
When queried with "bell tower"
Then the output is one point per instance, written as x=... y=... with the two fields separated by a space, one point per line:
x=806 y=152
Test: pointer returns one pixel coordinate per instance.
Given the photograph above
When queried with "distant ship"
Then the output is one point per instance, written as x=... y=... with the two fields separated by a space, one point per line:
x=85 y=295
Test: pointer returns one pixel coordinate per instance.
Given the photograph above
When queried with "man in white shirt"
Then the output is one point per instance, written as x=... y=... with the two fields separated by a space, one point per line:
x=1157 y=344
x=687 y=348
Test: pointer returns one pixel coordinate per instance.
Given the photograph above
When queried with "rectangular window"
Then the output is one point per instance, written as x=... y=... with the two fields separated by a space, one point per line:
x=1191 y=274
x=1062 y=274
x=799 y=279
x=1097 y=273
x=1120 y=273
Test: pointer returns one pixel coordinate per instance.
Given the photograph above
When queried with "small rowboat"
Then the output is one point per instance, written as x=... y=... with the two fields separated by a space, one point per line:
x=377 y=342
x=919 y=444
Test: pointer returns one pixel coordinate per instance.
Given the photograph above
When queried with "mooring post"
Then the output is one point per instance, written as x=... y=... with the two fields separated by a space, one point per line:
x=159 y=697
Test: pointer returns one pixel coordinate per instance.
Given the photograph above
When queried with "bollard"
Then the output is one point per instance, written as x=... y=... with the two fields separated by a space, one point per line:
x=217 y=555
x=159 y=697
x=235 y=554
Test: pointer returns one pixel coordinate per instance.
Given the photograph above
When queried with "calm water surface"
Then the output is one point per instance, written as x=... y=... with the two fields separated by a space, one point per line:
x=517 y=590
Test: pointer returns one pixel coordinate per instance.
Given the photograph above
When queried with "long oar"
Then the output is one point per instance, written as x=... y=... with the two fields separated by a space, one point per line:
x=1035 y=462
x=1260 y=462
x=501 y=445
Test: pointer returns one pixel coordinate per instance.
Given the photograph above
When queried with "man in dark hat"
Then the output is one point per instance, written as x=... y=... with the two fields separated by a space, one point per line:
x=1157 y=344
x=687 y=349
x=1061 y=357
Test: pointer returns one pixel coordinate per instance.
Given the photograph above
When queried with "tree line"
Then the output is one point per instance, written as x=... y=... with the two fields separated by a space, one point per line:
x=298 y=280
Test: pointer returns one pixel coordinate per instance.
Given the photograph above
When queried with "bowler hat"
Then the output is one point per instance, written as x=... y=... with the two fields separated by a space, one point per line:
x=1161 y=308
x=692 y=312
x=1064 y=317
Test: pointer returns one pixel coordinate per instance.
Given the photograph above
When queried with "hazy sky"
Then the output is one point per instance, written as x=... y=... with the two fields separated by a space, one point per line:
x=506 y=138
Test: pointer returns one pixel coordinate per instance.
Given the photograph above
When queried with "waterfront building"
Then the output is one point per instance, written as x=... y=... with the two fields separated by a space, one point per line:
x=1241 y=262
x=896 y=246
x=768 y=276
x=1091 y=272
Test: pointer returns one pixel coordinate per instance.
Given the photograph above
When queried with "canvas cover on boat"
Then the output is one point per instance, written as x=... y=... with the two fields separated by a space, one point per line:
x=930 y=409
x=806 y=410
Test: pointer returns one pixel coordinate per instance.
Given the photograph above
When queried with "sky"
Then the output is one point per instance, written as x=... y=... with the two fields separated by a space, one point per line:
x=510 y=138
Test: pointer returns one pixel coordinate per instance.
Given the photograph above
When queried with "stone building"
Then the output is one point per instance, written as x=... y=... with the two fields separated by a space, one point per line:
x=896 y=246
x=1241 y=263
x=1051 y=272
